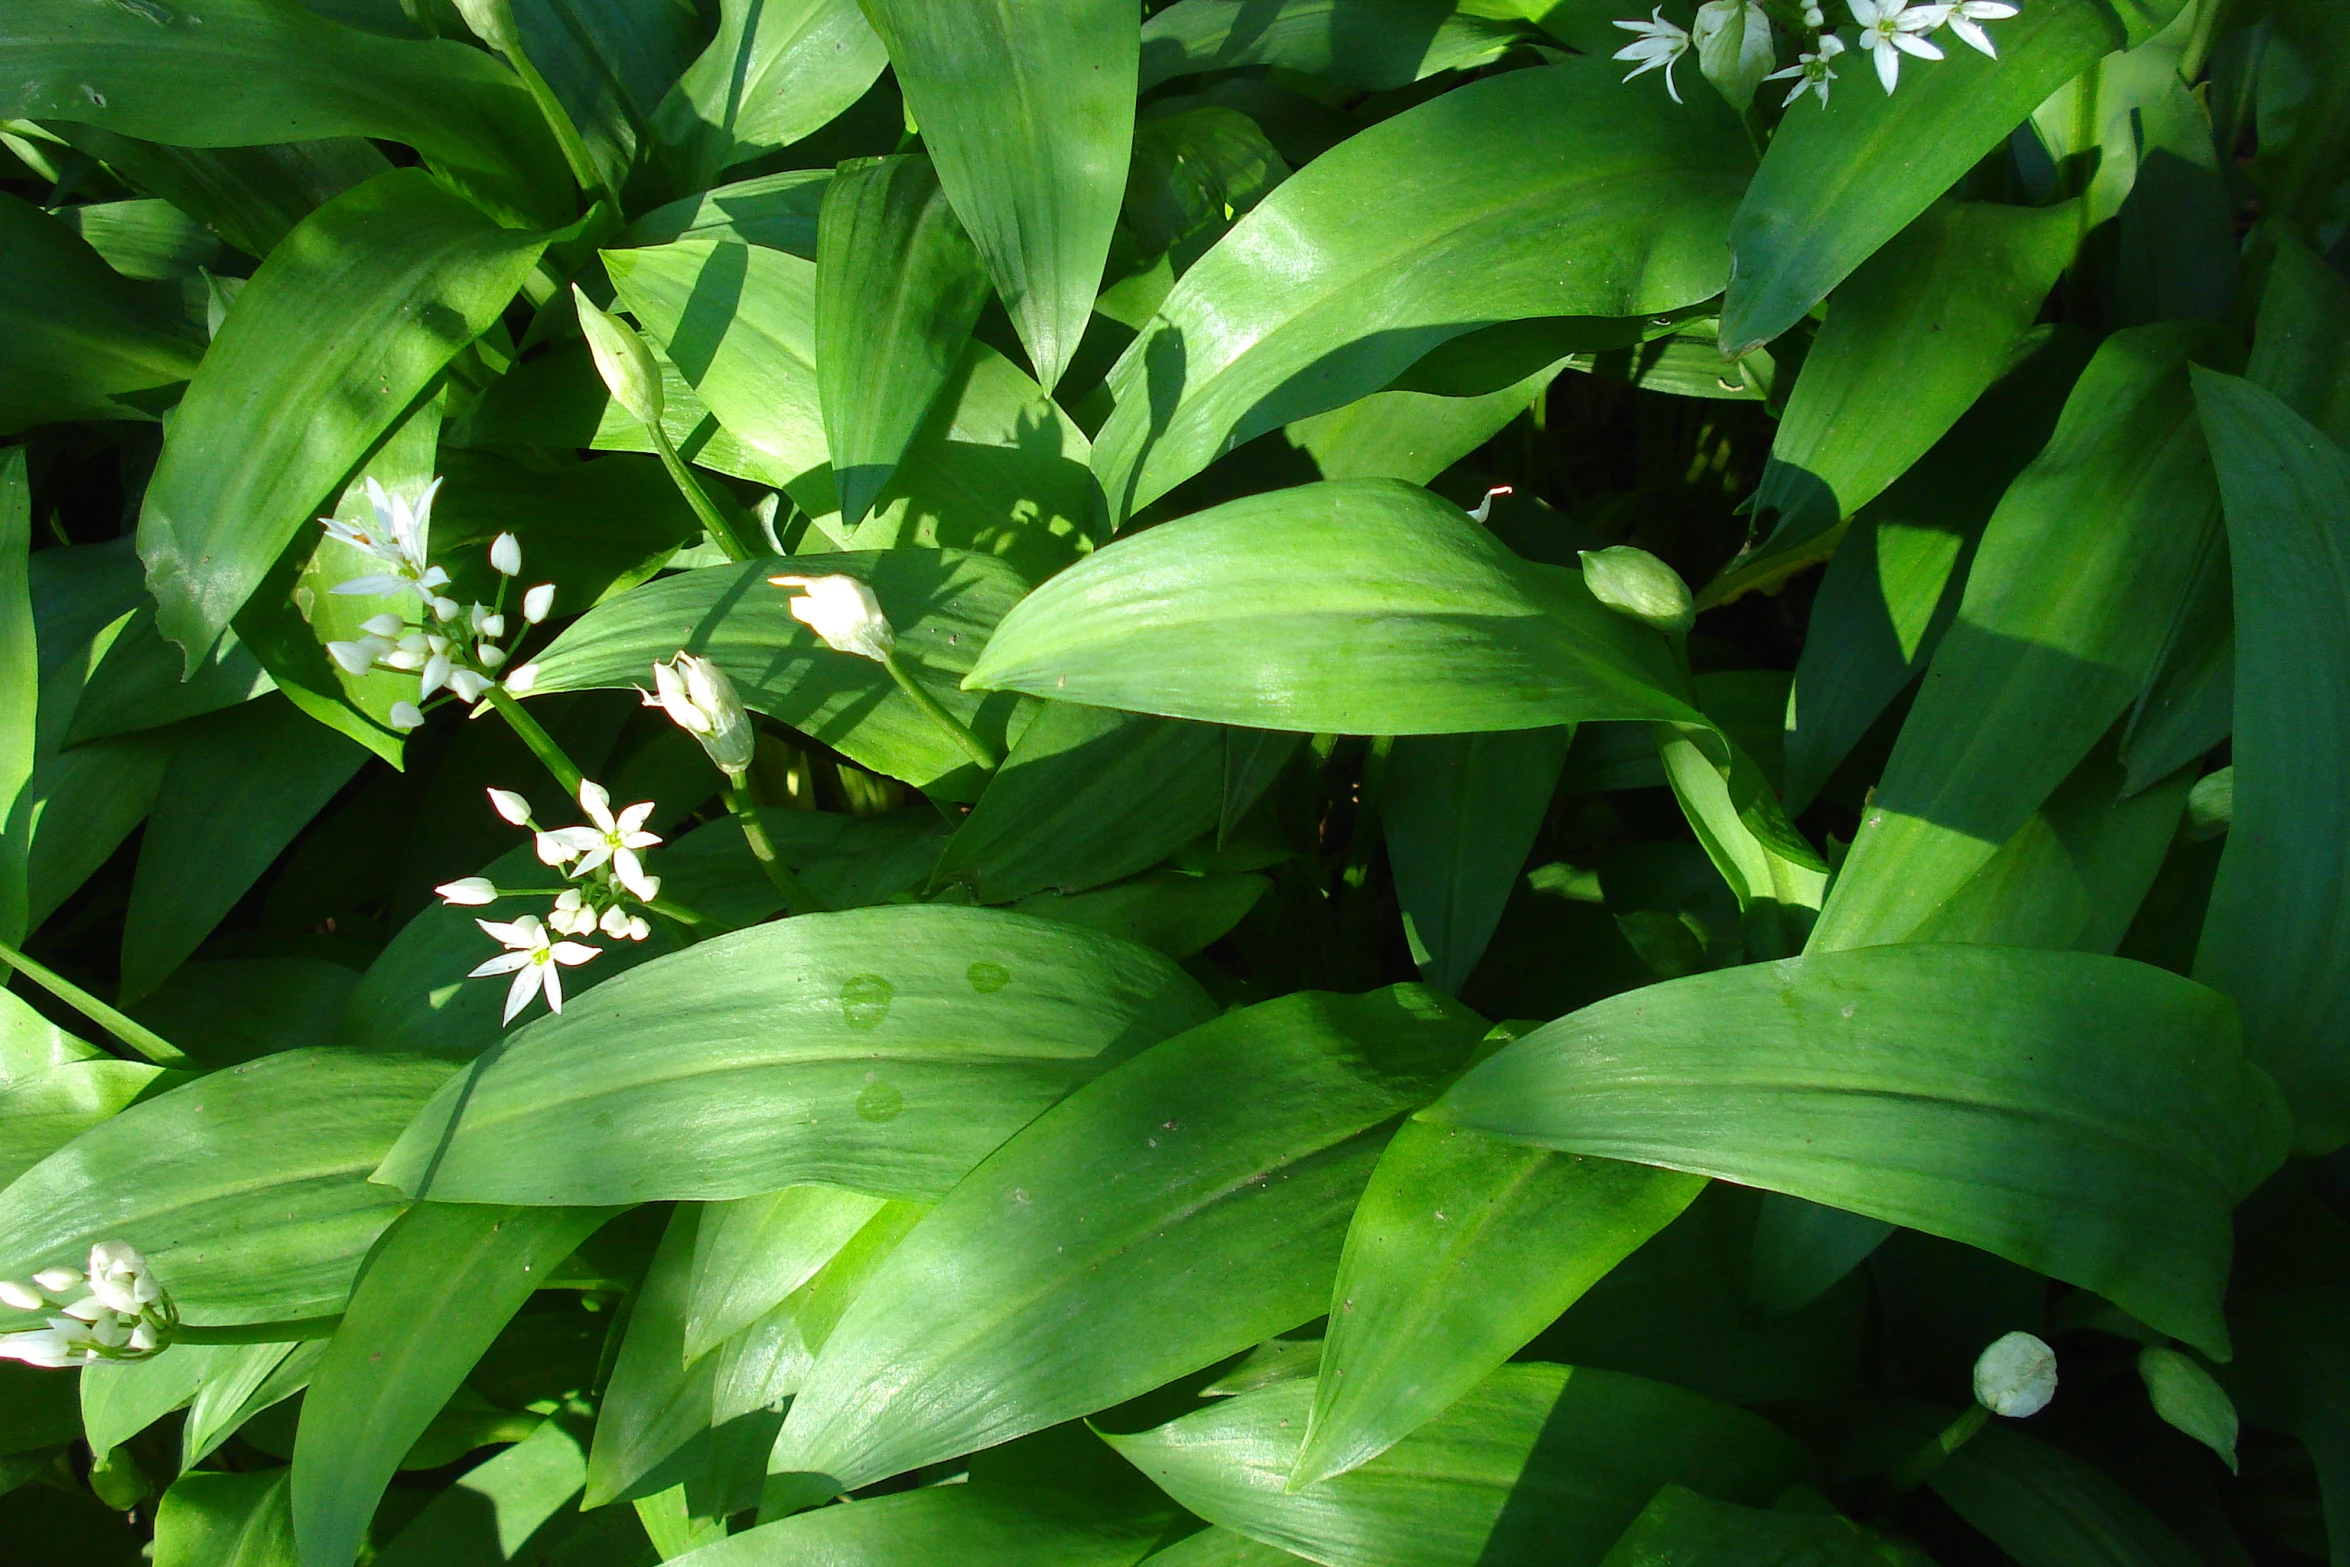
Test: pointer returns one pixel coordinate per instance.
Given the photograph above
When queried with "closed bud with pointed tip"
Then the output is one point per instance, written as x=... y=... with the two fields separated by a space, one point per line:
x=623 y=360
x=1633 y=582
x=697 y=694
x=492 y=22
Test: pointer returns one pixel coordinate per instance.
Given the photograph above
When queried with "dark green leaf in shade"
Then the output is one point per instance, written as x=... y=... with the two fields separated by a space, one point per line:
x=973 y=1525
x=342 y=327
x=137 y=683
x=437 y=1289
x=609 y=63
x=2301 y=350
x=82 y=342
x=1409 y=435
x=497 y=1511
x=21 y=672
x=2046 y=1508
x=2089 y=1117
x=2277 y=937
x=1029 y=114
x=1174 y=911
x=250 y=196
x=777 y=70
x=1362 y=606
x=1537 y=1464
x=1460 y=814
x=887 y=1050
x=1071 y=1271
x=1214 y=1547
x=1462 y=1249
x=898 y=288
x=1685 y=1528
x=1371 y=45
x=247 y=1189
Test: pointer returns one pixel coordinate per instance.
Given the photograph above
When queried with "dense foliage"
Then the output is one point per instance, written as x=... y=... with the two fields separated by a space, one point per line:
x=1078 y=783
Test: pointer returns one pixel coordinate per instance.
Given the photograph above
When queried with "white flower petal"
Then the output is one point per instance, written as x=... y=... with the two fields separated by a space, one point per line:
x=503 y=963
x=58 y=1280
x=572 y=953
x=468 y=891
x=597 y=802
x=513 y=807
x=538 y=603
x=20 y=1296
x=527 y=980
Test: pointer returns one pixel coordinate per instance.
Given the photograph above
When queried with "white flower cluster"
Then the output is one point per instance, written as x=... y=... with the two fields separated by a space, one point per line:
x=116 y=1311
x=445 y=646
x=603 y=861
x=1888 y=29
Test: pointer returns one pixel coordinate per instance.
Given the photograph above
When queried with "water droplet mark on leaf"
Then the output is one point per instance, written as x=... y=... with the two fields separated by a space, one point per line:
x=865 y=1000
x=880 y=1103
x=989 y=977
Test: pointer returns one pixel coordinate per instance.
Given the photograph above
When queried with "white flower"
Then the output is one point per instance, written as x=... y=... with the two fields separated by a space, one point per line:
x=488 y=655
x=20 y=1296
x=1890 y=29
x=2016 y=1376
x=523 y=680
x=533 y=961
x=616 y=839
x=571 y=916
x=468 y=891
x=844 y=613
x=58 y=1280
x=484 y=623
x=469 y=684
x=1814 y=17
x=538 y=602
x=405 y=716
x=697 y=694
x=1964 y=17
x=64 y=1342
x=513 y=807
x=1658 y=45
x=1482 y=512
x=400 y=537
x=506 y=555
x=1812 y=69
x=120 y=1278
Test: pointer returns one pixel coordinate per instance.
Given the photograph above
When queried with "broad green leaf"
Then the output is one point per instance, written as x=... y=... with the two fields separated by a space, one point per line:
x=2046 y=1508
x=1317 y=298
x=2301 y=351
x=752 y=1252
x=1413 y=436
x=1912 y=340
x=898 y=289
x=609 y=62
x=1460 y=814
x=1087 y=795
x=2276 y=937
x=1173 y=911
x=336 y=334
x=2088 y=1117
x=974 y=1525
x=1462 y=1249
x=137 y=683
x=122 y=1399
x=779 y=211
x=1776 y=875
x=1072 y=1270
x=82 y=341
x=1371 y=45
x=211 y=1519
x=1685 y=1528
x=240 y=787
x=887 y=1050
x=659 y=1399
x=943 y=605
x=1537 y=1464
x=557 y=399
x=257 y=1376
x=1801 y=1249
x=53 y=1087
x=147 y=238
x=2066 y=608
x=437 y=1289
x=496 y=1511
x=777 y=70
x=1029 y=114
x=79 y=806
x=20 y=698
x=1195 y=170
x=246 y=1189
x=2187 y=1396
x=1214 y=1547
x=1362 y=606
x=250 y=196
x=248 y=73
x=1843 y=178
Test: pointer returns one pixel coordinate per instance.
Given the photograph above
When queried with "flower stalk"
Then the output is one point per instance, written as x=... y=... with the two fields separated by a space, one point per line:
x=534 y=734
x=744 y=803
x=137 y=1036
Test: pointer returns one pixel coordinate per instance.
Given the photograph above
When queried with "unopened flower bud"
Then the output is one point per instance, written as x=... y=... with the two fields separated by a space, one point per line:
x=538 y=603
x=513 y=807
x=1633 y=582
x=468 y=684
x=492 y=22
x=524 y=680
x=468 y=891
x=697 y=694
x=844 y=613
x=405 y=716
x=622 y=359
x=58 y=1280
x=354 y=658
x=505 y=554
x=20 y=1296
x=391 y=627
x=2016 y=1376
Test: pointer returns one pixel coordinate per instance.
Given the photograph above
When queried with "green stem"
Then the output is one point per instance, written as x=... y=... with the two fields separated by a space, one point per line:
x=949 y=725
x=144 y=1040
x=691 y=918
x=721 y=530
x=558 y=118
x=541 y=743
x=1357 y=956
x=1906 y=1474
x=286 y=1332
x=745 y=804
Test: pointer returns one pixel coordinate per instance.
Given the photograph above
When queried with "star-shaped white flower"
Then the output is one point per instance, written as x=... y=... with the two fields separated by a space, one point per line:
x=1658 y=45
x=1890 y=29
x=535 y=960
x=1965 y=18
x=1812 y=70
x=400 y=537
x=616 y=839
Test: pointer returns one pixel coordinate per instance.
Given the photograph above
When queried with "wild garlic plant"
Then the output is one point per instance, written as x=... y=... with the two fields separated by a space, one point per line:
x=115 y=1310
x=1737 y=44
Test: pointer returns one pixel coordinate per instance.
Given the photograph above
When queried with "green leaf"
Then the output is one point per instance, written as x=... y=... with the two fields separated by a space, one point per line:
x=1370 y=45
x=1029 y=115
x=2066 y=607
x=1842 y=178
x=439 y=1286
x=898 y=289
x=1684 y=1528
x=2088 y=1117
x=121 y=1399
x=1173 y=911
x=774 y=73
x=240 y=1387
x=1315 y=299
x=2186 y=1395
x=248 y=73
x=1088 y=794
x=1242 y=1145
x=1537 y=1464
x=609 y=62
x=659 y=1399
x=137 y=683
x=20 y=695
x=246 y=1189
x=83 y=341
x=1214 y=1547
x=2301 y=351
x=975 y=1525
x=250 y=196
x=1462 y=1249
x=1460 y=815
x=752 y=1252
x=1409 y=435
x=1772 y=870
x=53 y=1087
x=1912 y=340
x=887 y=1050
x=338 y=332
x=241 y=785
x=2046 y=1508
x=2276 y=937
x=779 y=211
x=1361 y=606
x=496 y=1510
x=943 y=605
x=209 y=1519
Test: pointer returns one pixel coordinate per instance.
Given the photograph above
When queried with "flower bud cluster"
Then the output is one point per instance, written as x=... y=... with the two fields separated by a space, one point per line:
x=114 y=1311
